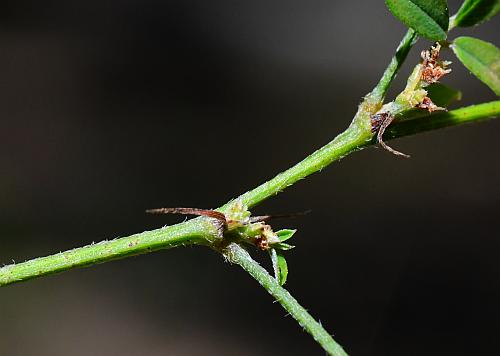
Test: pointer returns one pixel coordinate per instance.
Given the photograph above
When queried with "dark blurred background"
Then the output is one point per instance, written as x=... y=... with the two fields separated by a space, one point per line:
x=111 y=107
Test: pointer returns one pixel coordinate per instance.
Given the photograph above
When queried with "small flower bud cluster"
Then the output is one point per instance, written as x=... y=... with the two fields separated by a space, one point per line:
x=429 y=71
x=257 y=233
x=433 y=69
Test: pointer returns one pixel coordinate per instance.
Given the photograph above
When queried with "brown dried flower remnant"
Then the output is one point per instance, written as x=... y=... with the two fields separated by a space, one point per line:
x=377 y=120
x=434 y=69
x=380 y=122
x=266 y=237
x=429 y=105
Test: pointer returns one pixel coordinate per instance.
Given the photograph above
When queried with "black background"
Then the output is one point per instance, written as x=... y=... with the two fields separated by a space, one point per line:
x=111 y=107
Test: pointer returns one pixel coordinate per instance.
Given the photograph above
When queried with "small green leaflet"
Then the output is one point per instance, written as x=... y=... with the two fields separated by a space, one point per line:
x=280 y=266
x=442 y=95
x=473 y=12
x=429 y=18
x=285 y=234
x=481 y=58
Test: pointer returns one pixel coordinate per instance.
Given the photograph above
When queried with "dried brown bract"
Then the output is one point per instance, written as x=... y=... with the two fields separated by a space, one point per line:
x=189 y=211
x=220 y=220
x=380 y=122
x=377 y=120
x=429 y=105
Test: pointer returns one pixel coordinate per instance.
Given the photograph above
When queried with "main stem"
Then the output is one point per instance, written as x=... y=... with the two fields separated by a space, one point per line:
x=357 y=135
x=196 y=231
x=238 y=255
x=354 y=139
x=345 y=143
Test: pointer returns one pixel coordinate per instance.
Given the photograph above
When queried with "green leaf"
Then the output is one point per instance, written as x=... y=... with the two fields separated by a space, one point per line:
x=285 y=234
x=429 y=18
x=481 y=58
x=473 y=12
x=280 y=266
x=283 y=246
x=442 y=95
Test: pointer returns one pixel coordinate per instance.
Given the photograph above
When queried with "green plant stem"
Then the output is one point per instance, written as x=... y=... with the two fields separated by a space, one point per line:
x=357 y=134
x=196 y=231
x=473 y=113
x=238 y=255
x=343 y=144
x=379 y=92
x=203 y=231
x=354 y=139
x=206 y=231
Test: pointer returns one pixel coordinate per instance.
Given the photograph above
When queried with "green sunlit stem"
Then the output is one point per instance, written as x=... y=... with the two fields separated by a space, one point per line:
x=202 y=230
x=205 y=231
x=345 y=143
x=356 y=135
x=238 y=255
x=349 y=142
x=452 y=24
x=196 y=231
x=378 y=93
x=473 y=113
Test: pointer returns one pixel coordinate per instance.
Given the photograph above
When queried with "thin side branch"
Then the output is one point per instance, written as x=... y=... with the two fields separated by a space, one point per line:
x=439 y=120
x=238 y=255
x=409 y=39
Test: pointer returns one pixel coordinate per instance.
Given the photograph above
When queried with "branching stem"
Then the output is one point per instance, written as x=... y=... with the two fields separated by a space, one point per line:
x=206 y=230
x=356 y=135
x=202 y=230
x=353 y=139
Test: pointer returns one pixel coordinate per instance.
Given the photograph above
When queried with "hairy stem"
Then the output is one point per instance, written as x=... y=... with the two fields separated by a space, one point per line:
x=442 y=119
x=378 y=93
x=204 y=231
x=207 y=231
x=192 y=232
x=357 y=134
x=353 y=139
x=196 y=231
x=345 y=143
x=238 y=255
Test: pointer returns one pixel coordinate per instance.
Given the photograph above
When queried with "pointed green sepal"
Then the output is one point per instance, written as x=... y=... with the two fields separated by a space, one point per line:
x=285 y=234
x=280 y=266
